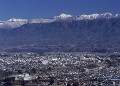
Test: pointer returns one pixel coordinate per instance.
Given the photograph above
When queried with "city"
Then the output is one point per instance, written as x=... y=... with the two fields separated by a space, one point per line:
x=60 y=69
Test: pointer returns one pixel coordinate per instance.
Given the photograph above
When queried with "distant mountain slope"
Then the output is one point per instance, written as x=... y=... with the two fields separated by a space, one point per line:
x=101 y=34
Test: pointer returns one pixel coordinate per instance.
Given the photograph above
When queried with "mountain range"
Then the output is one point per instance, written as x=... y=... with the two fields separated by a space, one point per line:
x=84 y=33
x=14 y=23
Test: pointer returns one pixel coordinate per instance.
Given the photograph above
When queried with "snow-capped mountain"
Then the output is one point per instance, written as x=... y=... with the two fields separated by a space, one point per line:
x=17 y=20
x=14 y=23
x=95 y=16
x=41 y=20
x=63 y=16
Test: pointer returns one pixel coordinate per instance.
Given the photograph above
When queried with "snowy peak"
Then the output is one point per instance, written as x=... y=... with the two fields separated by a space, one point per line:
x=110 y=15
x=107 y=15
x=12 y=23
x=16 y=20
x=63 y=16
x=41 y=20
x=84 y=16
x=95 y=16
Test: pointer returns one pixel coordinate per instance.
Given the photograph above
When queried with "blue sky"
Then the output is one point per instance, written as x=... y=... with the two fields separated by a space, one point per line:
x=30 y=9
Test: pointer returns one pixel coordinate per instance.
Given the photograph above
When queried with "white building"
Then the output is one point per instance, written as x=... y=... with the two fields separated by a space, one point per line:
x=23 y=76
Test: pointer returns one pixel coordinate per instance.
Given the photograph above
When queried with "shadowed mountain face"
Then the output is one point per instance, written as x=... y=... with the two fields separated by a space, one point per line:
x=99 y=35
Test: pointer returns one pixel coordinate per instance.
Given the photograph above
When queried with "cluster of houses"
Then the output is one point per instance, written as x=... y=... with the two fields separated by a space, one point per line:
x=63 y=68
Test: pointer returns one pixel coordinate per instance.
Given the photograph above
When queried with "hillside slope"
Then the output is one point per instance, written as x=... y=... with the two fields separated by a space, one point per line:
x=66 y=35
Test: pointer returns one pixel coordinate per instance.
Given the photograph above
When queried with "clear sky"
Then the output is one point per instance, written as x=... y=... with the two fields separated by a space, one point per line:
x=30 y=9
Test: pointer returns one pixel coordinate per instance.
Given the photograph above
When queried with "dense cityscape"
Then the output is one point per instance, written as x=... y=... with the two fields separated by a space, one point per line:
x=60 y=69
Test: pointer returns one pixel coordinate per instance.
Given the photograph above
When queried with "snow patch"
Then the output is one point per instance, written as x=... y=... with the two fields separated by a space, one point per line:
x=63 y=16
